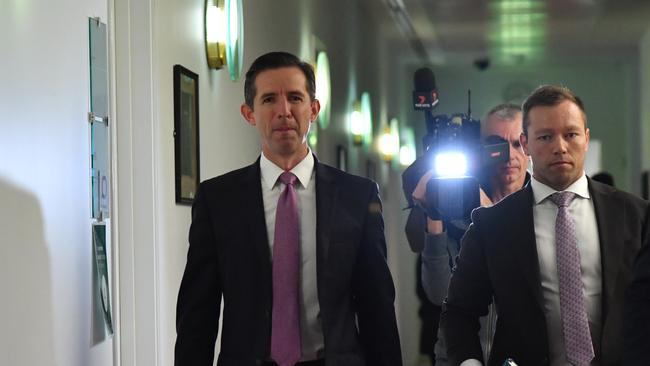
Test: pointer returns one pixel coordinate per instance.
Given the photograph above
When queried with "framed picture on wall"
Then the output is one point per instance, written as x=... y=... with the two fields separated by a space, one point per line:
x=186 y=134
x=341 y=158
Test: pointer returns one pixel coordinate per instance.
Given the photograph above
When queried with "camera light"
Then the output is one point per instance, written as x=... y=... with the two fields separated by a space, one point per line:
x=451 y=164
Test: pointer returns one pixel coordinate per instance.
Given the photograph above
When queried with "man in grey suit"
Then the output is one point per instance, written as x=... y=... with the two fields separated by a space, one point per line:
x=559 y=266
x=294 y=247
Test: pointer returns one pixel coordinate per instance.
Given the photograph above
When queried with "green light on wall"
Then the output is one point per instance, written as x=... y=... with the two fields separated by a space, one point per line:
x=366 y=111
x=323 y=89
x=312 y=138
x=235 y=37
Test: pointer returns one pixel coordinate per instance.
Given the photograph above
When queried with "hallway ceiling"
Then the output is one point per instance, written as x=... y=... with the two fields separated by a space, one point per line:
x=514 y=32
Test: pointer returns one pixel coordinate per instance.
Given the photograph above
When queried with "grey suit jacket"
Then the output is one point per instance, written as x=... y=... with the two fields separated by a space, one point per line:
x=499 y=258
x=229 y=257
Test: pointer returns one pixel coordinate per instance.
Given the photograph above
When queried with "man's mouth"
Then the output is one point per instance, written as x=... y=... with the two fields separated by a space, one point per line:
x=560 y=163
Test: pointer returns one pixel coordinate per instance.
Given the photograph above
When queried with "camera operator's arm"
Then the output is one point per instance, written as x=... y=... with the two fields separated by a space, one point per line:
x=436 y=266
x=440 y=246
x=419 y=195
x=436 y=262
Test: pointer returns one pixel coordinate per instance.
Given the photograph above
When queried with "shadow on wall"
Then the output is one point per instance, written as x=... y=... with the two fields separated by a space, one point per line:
x=26 y=334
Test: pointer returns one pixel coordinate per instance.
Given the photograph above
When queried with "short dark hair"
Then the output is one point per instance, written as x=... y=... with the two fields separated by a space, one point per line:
x=276 y=60
x=549 y=96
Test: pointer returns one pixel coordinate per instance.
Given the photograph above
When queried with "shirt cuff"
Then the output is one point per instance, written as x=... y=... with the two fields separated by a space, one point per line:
x=471 y=362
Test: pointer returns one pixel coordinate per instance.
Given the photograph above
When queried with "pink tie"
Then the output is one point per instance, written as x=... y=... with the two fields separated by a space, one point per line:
x=285 y=331
x=575 y=325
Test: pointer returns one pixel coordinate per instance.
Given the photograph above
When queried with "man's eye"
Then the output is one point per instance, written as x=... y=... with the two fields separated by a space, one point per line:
x=572 y=135
x=267 y=100
x=544 y=137
x=295 y=98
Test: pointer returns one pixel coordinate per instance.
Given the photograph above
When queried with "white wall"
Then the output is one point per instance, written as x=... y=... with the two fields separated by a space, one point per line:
x=45 y=238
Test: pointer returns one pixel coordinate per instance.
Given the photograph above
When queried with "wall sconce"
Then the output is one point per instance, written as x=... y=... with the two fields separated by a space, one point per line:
x=357 y=124
x=366 y=111
x=215 y=33
x=224 y=35
x=389 y=141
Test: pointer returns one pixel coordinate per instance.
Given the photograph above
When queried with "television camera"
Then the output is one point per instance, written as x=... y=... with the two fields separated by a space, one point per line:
x=453 y=148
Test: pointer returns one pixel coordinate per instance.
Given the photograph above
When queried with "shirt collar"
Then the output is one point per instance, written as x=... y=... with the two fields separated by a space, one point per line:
x=271 y=172
x=541 y=191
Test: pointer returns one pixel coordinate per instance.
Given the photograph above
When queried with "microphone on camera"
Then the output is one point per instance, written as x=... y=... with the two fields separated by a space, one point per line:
x=425 y=95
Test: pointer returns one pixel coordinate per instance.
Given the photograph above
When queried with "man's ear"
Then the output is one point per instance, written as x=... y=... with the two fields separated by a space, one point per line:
x=315 y=108
x=247 y=112
x=587 y=139
x=523 y=140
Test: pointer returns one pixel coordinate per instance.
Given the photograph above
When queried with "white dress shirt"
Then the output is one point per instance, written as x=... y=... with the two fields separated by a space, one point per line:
x=582 y=211
x=311 y=332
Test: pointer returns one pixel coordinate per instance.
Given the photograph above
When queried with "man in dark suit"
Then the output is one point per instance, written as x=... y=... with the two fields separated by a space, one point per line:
x=636 y=340
x=559 y=265
x=295 y=248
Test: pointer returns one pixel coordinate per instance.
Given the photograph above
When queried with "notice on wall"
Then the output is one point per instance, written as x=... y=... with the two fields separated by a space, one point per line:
x=102 y=320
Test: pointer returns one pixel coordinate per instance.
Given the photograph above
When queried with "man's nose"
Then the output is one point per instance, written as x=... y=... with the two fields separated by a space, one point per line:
x=512 y=151
x=283 y=108
x=560 y=145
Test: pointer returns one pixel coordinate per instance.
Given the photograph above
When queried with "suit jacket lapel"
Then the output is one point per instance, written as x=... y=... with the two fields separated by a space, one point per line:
x=524 y=242
x=253 y=205
x=326 y=192
x=610 y=213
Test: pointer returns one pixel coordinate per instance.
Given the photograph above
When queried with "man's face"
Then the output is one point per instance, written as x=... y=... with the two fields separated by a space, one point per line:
x=514 y=170
x=282 y=112
x=557 y=142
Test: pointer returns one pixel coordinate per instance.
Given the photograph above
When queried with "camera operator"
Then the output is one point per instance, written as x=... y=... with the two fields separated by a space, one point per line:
x=442 y=239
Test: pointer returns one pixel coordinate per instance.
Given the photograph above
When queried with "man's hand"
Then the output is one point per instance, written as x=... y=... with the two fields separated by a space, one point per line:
x=434 y=227
x=420 y=192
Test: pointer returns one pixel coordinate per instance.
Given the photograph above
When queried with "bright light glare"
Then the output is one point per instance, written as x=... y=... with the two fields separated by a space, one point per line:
x=389 y=144
x=452 y=164
x=357 y=126
x=406 y=155
x=233 y=23
x=216 y=24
